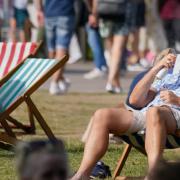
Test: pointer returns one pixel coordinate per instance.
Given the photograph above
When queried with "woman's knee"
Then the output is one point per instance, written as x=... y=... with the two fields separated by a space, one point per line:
x=161 y=116
x=155 y=115
x=102 y=116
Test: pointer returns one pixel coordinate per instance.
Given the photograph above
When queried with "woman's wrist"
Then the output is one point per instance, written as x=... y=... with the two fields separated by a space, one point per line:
x=156 y=69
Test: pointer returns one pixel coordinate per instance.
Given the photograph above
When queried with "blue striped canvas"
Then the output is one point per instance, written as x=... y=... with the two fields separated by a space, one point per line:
x=137 y=140
x=29 y=73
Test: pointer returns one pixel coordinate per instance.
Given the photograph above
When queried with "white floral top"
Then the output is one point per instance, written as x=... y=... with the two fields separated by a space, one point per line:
x=170 y=82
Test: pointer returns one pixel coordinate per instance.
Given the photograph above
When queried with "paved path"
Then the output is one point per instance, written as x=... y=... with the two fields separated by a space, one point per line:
x=78 y=84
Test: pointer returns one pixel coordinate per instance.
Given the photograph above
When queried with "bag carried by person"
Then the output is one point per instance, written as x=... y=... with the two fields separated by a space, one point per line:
x=112 y=9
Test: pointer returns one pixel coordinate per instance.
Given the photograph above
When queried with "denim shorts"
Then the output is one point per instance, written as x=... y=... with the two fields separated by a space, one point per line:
x=59 y=31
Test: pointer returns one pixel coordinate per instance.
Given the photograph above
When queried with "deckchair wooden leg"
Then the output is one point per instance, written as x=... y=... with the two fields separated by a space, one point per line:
x=39 y=118
x=18 y=125
x=31 y=120
x=122 y=160
x=7 y=128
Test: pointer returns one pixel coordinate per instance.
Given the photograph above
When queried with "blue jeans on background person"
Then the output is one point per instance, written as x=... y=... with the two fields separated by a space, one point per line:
x=94 y=40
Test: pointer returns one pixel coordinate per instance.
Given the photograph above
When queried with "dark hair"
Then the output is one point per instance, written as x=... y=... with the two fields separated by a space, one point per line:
x=25 y=150
x=165 y=170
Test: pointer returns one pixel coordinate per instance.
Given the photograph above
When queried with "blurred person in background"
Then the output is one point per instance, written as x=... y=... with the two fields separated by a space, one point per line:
x=19 y=22
x=86 y=19
x=156 y=39
x=95 y=42
x=139 y=25
x=170 y=14
x=58 y=16
x=1 y=17
x=41 y=160
x=116 y=31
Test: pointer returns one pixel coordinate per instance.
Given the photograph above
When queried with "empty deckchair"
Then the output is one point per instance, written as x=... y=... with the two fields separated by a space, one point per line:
x=12 y=54
x=17 y=88
x=136 y=140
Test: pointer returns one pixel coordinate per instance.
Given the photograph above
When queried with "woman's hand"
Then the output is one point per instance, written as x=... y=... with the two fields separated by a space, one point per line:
x=167 y=62
x=169 y=97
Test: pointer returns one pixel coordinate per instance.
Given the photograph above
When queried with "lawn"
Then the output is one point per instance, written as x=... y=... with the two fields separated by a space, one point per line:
x=68 y=116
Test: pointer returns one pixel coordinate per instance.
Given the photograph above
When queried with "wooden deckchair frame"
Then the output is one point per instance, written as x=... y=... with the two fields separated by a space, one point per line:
x=29 y=129
x=127 y=149
x=122 y=159
x=9 y=137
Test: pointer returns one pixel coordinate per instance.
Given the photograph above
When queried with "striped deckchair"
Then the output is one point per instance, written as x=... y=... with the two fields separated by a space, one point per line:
x=136 y=140
x=12 y=54
x=17 y=88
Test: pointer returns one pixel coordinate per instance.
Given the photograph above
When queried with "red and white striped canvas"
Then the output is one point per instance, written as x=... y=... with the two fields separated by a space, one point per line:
x=11 y=54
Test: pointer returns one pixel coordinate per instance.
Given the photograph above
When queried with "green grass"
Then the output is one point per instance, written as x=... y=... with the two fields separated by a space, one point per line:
x=68 y=116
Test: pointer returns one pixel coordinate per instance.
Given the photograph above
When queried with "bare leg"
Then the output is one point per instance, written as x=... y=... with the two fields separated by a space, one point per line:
x=105 y=121
x=27 y=29
x=58 y=75
x=108 y=46
x=22 y=36
x=12 y=31
x=116 y=54
x=160 y=122
x=135 y=44
x=51 y=54
x=88 y=129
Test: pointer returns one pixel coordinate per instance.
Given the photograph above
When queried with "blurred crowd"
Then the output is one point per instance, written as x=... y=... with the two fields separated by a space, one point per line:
x=129 y=39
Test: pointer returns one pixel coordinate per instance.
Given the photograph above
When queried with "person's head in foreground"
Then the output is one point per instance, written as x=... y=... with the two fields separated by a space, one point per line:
x=158 y=101
x=42 y=160
x=166 y=171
